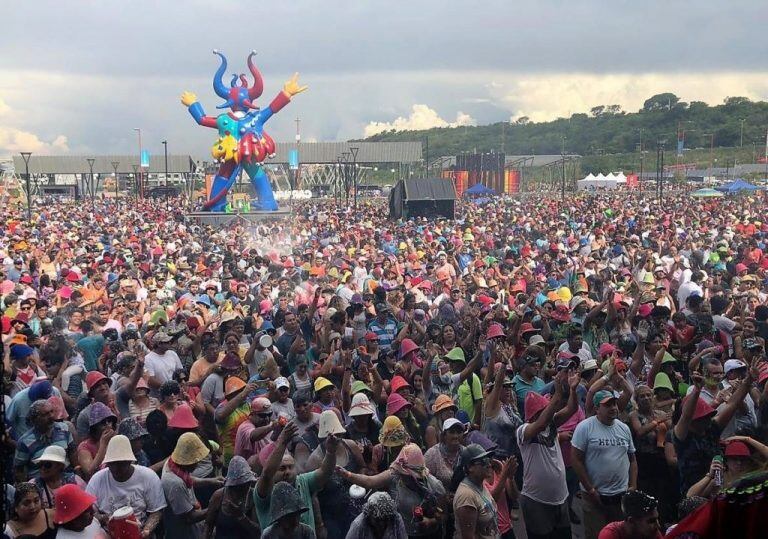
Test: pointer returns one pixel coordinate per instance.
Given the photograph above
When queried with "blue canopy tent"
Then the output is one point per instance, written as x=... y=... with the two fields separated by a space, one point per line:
x=737 y=186
x=479 y=190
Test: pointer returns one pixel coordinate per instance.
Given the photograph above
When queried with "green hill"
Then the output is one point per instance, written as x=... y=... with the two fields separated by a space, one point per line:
x=737 y=123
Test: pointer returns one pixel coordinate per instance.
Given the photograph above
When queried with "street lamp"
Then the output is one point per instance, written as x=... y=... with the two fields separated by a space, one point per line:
x=136 y=179
x=138 y=130
x=115 y=164
x=26 y=156
x=165 y=149
x=392 y=170
x=354 y=150
x=741 y=133
x=91 y=161
x=345 y=160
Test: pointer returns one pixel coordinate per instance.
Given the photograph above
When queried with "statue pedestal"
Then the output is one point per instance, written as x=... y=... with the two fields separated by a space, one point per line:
x=219 y=219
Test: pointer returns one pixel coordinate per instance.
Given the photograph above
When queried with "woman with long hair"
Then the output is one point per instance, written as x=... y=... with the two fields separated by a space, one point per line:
x=30 y=520
x=475 y=510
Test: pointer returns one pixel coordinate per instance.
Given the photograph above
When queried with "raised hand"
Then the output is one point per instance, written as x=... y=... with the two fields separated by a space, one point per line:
x=291 y=87
x=188 y=98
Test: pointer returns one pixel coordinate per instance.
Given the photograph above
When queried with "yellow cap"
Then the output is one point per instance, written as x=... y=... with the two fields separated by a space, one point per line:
x=321 y=383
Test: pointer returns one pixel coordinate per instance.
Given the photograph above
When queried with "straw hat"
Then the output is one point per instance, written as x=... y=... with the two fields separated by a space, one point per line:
x=189 y=450
x=330 y=424
x=443 y=402
x=119 y=450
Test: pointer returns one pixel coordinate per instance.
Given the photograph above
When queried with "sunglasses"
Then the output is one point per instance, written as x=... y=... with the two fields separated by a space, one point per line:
x=265 y=416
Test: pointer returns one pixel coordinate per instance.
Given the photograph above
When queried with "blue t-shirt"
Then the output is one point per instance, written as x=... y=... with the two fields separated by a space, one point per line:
x=522 y=388
x=606 y=449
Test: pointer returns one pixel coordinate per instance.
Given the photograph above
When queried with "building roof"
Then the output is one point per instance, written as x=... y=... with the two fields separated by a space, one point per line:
x=78 y=164
x=309 y=153
x=429 y=189
x=369 y=152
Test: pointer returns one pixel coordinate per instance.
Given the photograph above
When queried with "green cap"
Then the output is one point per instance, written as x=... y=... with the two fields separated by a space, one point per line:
x=456 y=354
x=668 y=358
x=358 y=386
x=662 y=381
x=602 y=396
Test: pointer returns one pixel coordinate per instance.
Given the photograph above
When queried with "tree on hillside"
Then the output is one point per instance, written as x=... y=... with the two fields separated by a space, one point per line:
x=597 y=111
x=659 y=102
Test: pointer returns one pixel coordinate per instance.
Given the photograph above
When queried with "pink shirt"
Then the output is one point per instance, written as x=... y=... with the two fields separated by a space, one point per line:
x=243 y=445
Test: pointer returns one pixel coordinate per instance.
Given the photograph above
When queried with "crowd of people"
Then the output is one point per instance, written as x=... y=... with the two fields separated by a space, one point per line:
x=533 y=365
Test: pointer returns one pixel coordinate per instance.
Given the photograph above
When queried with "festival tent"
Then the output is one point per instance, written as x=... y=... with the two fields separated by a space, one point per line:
x=479 y=189
x=601 y=181
x=707 y=193
x=737 y=186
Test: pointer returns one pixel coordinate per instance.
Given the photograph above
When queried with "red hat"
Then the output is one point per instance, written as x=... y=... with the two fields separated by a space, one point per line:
x=561 y=313
x=406 y=347
x=73 y=277
x=371 y=336
x=527 y=327
x=495 y=330
x=741 y=268
x=395 y=403
x=534 y=403
x=265 y=306
x=93 y=378
x=71 y=502
x=183 y=418
x=26 y=279
x=605 y=349
x=702 y=410
x=398 y=382
x=737 y=448
x=644 y=311
x=485 y=300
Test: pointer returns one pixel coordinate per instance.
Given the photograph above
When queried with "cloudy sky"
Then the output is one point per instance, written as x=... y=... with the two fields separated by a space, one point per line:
x=76 y=77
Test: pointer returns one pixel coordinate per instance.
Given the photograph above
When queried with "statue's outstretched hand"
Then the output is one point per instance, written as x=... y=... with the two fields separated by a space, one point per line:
x=187 y=98
x=291 y=87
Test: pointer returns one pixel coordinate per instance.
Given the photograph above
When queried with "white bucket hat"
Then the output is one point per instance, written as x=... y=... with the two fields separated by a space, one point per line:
x=360 y=405
x=53 y=453
x=119 y=450
x=330 y=424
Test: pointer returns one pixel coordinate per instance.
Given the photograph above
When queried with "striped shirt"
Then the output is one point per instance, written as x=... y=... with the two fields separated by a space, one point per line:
x=386 y=332
x=32 y=444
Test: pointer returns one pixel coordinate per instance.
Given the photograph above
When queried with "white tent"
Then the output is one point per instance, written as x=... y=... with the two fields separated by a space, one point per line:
x=601 y=181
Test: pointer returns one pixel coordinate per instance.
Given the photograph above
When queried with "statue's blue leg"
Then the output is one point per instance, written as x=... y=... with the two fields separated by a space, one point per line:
x=264 y=200
x=218 y=189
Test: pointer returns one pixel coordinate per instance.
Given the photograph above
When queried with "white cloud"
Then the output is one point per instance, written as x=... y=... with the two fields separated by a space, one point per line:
x=543 y=97
x=14 y=140
x=422 y=117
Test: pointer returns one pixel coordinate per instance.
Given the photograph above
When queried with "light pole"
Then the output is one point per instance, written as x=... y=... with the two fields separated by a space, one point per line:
x=741 y=133
x=141 y=187
x=115 y=164
x=345 y=160
x=165 y=150
x=136 y=179
x=392 y=170
x=353 y=150
x=26 y=156
x=91 y=161
x=562 y=184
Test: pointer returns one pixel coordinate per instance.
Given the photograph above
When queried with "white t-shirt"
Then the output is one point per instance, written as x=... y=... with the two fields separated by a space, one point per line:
x=606 y=449
x=543 y=467
x=163 y=366
x=91 y=531
x=142 y=492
